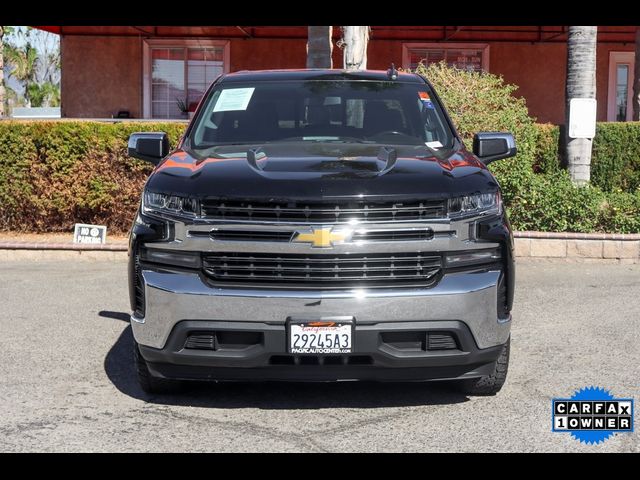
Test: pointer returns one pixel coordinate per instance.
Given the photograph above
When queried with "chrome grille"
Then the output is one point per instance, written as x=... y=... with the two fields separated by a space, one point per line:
x=323 y=271
x=284 y=236
x=322 y=212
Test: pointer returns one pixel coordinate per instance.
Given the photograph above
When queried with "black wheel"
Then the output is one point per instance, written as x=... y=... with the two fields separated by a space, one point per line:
x=488 y=384
x=148 y=382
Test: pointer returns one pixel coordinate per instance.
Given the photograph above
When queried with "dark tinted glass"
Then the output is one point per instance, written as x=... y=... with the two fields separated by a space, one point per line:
x=321 y=110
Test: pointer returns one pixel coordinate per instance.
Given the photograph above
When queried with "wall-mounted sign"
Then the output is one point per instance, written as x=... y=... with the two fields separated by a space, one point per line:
x=84 y=233
x=582 y=118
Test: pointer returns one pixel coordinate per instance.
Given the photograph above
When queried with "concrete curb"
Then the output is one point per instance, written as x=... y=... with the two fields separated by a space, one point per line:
x=557 y=246
x=586 y=247
x=114 y=247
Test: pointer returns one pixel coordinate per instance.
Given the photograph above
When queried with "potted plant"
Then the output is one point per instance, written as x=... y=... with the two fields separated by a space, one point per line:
x=182 y=106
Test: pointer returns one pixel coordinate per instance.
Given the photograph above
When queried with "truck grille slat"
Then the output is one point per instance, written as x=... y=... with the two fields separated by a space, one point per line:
x=251 y=235
x=321 y=212
x=305 y=259
x=284 y=236
x=324 y=271
x=289 y=268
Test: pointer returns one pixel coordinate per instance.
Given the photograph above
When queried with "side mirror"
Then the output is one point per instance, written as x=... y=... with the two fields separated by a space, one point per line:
x=149 y=146
x=492 y=146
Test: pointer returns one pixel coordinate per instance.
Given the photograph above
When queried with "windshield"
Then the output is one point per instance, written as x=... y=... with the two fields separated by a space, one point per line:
x=362 y=111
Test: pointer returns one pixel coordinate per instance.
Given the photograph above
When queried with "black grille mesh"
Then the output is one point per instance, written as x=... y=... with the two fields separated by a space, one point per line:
x=326 y=271
x=322 y=212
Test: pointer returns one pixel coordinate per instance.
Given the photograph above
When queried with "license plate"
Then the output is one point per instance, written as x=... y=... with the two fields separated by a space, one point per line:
x=320 y=337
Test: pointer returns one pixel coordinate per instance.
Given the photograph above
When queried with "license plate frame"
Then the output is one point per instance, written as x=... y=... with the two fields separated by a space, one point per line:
x=321 y=326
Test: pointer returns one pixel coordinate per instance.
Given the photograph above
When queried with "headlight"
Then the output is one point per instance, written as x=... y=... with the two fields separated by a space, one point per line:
x=172 y=204
x=475 y=204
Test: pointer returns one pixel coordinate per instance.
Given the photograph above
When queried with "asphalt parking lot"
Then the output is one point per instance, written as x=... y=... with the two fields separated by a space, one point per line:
x=67 y=382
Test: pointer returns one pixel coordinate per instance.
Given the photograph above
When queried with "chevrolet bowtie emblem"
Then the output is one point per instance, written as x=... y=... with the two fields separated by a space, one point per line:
x=321 y=237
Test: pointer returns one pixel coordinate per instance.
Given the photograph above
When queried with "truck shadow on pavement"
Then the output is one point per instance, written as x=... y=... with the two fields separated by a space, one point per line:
x=118 y=365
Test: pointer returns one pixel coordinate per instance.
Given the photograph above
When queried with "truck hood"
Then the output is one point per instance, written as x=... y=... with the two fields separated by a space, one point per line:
x=314 y=170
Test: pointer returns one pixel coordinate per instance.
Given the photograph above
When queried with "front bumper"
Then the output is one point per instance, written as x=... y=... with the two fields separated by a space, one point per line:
x=375 y=358
x=462 y=304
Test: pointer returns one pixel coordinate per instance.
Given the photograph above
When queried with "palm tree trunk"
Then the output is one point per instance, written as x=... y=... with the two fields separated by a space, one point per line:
x=355 y=40
x=2 y=90
x=581 y=83
x=319 y=47
x=636 y=79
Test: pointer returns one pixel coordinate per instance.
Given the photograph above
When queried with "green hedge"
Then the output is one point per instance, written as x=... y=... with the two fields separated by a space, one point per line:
x=546 y=200
x=550 y=202
x=615 y=160
x=54 y=174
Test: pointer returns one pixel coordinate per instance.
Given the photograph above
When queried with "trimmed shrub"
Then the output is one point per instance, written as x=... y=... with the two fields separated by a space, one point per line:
x=537 y=191
x=620 y=213
x=615 y=162
x=546 y=159
x=551 y=202
x=54 y=174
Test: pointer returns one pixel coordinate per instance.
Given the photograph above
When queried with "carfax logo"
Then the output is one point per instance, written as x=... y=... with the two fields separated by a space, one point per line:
x=592 y=415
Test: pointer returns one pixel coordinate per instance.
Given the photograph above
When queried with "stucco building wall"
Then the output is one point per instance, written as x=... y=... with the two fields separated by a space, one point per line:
x=101 y=75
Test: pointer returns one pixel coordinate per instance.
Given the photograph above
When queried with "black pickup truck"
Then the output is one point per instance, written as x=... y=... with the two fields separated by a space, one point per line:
x=321 y=225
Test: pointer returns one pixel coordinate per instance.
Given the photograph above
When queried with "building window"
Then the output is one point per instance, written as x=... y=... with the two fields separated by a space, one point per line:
x=177 y=73
x=620 y=92
x=465 y=56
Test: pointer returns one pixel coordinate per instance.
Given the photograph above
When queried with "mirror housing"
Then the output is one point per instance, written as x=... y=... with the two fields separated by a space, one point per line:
x=492 y=146
x=149 y=146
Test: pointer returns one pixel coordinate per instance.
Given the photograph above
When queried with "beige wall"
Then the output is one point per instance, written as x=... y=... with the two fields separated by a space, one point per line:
x=100 y=76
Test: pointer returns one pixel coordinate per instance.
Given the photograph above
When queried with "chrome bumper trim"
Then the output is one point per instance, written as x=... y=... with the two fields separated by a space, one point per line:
x=175 y=296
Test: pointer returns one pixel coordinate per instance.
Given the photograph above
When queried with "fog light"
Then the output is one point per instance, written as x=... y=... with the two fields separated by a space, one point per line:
x=473 y=257
x=181 y=259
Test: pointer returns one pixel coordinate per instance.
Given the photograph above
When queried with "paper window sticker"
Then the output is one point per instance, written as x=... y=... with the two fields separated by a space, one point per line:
x=424 y=96
x=435 y=144
x=428 y=104
x=233 y=99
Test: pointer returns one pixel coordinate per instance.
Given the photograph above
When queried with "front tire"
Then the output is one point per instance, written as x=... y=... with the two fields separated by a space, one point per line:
x=488 y=384
x=148 y=382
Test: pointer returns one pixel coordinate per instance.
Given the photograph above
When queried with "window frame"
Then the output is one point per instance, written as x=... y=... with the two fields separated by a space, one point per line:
x=407 y=47
x=615 y=59
x=148 y=44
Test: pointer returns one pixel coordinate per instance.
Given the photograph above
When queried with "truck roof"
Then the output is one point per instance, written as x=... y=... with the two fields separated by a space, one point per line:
x=317 y=74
